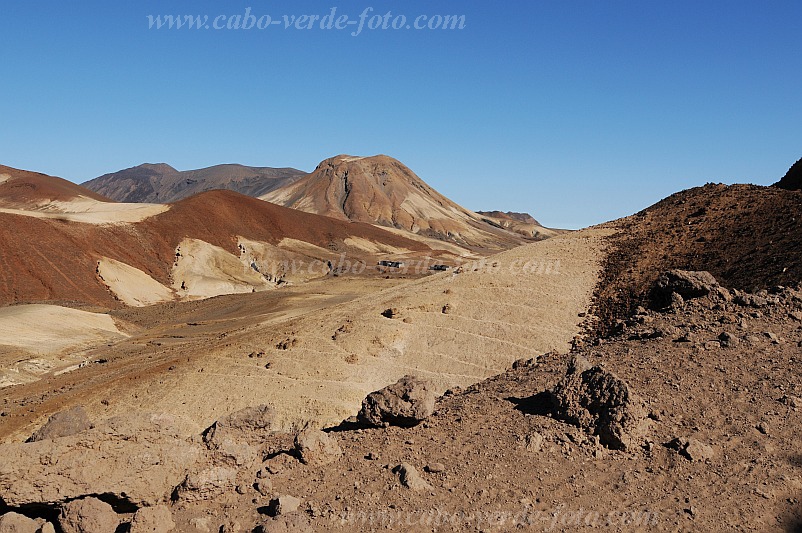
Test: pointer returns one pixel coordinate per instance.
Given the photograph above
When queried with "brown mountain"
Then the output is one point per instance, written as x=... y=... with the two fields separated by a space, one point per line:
x=381 y=190
x=792 y=180
x=24 y=189
x=161 y=183
x=52 y=256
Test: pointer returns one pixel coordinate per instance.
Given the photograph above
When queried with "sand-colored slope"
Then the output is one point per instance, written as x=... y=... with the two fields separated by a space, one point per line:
x=37 y=339
x=203 y=270
x=132 y=286
x=316 y=356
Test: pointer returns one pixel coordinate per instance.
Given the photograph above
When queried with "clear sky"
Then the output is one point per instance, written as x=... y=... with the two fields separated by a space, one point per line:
x=577 y=111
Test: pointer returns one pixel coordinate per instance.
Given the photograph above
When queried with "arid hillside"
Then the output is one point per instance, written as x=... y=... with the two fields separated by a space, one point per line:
x=748 y=237
x=57 y=236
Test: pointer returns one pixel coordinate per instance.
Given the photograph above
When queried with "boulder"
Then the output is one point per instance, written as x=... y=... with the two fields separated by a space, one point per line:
x=63 y=424
x=599 y=402
x=687 y=284
x=88 y=515
x=314 y=447
x=133 y=461
x=17 y=523
x=406 y=403
x=156 y=519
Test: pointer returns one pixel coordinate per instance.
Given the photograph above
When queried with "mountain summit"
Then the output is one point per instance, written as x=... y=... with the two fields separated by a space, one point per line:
x=161 y=183
x=383 y=191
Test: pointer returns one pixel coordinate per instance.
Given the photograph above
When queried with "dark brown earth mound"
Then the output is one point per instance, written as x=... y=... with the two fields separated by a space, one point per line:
x=792 y=180
x=161 y=183
x=748 y=237
x=30 y=189
x=47 y=260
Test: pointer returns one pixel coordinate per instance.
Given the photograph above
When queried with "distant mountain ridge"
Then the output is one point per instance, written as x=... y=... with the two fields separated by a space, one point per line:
x=161 y=183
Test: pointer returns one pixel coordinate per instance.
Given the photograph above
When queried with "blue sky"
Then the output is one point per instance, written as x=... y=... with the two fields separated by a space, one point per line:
x=575 y=111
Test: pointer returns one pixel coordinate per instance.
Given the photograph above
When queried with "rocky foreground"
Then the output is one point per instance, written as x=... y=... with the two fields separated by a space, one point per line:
x=685 y=419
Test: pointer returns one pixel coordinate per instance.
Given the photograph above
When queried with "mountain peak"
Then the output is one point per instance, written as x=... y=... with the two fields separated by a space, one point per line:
x=381 y=190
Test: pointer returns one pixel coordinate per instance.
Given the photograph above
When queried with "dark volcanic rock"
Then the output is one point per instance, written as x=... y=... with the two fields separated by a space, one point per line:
x=601 y=403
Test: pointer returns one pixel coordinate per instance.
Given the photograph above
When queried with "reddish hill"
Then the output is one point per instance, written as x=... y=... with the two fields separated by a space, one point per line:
x=381 y=190
x=54 y=260
x=22 y=188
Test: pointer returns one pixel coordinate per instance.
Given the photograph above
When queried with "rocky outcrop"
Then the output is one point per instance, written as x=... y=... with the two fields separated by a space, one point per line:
x=599 y=402
x=685 y=284
x=406 y=403
x=133 y=462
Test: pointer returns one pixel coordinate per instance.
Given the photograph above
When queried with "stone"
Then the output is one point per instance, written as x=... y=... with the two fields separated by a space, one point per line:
x=63 y=424
x=410 y=478
x=246 y=424
x=17 y=523
x=534 y=442
x=436 y=468
x=208 y=483
x=284 y=504
x=692 y=449
x=406 y=403
x=156 y=519
x=264 y=486
x=728 y=340
x=315 y=447
x=88 y=515
x=599 y=402
x=135 y=460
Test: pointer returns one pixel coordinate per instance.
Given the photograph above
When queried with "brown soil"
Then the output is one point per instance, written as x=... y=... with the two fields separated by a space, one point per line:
x=748 y=237
x=55 y=261
x=29 y=188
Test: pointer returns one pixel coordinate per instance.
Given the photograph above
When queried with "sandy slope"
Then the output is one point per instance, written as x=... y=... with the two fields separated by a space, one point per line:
x=36 y=339
x=315 y=350
x=132 y=286
x=90 y=211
